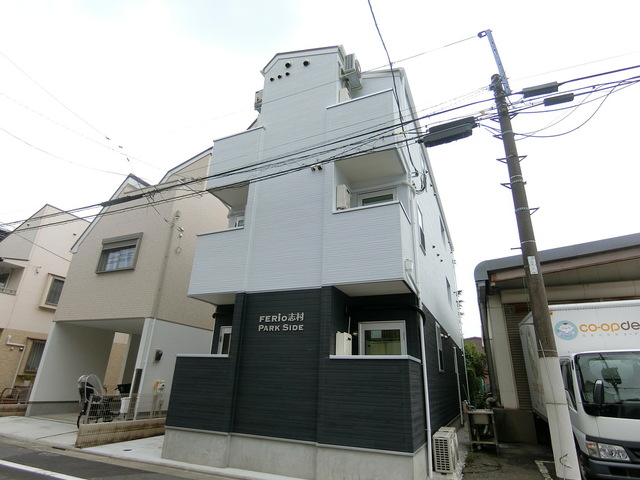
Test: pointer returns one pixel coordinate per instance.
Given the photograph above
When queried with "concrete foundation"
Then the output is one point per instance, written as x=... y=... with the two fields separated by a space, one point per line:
x=295 y=459
x=93 y=434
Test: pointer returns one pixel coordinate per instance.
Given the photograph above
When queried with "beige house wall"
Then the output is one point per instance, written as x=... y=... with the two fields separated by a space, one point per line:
x=38 y=250
x=157 y=286
x=13 y=357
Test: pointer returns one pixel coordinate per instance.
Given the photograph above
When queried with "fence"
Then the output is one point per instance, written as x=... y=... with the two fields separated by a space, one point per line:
x=111 y=408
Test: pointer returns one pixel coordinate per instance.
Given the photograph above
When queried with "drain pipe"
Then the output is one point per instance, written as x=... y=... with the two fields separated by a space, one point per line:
x=427 y=408
x=22 y=349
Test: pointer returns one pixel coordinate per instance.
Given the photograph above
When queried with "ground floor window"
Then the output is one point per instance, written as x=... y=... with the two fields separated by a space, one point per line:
x=35 y=355
x=224 y=341
x=382 y=338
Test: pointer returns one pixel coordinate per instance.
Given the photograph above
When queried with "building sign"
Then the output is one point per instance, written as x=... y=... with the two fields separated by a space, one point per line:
x=287 y=322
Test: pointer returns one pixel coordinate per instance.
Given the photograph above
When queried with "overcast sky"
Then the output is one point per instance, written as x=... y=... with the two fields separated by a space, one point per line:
x=91 y=91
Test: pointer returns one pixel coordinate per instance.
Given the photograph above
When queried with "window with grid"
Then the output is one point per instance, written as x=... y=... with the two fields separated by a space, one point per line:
x=119 y=253
x=35 y=355
x=54 y=291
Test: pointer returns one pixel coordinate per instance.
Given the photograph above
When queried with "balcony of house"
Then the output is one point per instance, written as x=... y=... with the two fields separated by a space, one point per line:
x=368 y=250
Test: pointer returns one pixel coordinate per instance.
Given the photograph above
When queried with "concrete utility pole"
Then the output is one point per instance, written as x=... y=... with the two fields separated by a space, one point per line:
x=564 y=451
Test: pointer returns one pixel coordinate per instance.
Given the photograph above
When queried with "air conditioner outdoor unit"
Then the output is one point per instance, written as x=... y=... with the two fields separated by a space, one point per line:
x=257 y=102
x=343 y=343
x=343 y=197
x=445 y=450
x=351 y=72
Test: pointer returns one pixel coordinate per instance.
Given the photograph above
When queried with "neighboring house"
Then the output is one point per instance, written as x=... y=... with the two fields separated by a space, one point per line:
x=125 y=301
x=337 y=346
x=34 y=259
x=590 y=272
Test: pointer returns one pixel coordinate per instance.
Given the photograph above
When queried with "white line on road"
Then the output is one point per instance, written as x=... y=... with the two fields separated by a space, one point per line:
x=543 y=470
x=39 y=471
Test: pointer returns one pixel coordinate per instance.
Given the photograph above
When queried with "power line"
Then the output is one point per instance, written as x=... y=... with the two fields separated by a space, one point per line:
x=291 y=157
x=54 y=97
x=57 y=156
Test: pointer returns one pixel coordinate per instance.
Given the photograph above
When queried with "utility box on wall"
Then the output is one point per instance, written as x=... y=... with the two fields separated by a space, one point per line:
x=343 y=343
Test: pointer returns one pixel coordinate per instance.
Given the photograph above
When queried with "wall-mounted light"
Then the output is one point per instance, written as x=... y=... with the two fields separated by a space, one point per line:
x=157 y=356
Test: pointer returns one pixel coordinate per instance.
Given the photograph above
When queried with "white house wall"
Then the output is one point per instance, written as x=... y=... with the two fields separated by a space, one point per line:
x=71 y=351
x=368 y=253
x=171 y=339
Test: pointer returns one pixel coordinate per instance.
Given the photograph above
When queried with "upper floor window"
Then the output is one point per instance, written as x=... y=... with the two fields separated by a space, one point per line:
x=4 y=281
x=53 y=291
x=119 y=253
x=421 y=237
x=379 y=196
x=382 y=338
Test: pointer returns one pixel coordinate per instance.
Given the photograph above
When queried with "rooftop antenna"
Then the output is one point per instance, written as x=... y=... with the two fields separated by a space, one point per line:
x=496 y=55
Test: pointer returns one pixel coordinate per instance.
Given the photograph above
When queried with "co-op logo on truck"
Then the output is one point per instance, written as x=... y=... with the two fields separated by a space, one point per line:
x=566 y=330
x=569 y=331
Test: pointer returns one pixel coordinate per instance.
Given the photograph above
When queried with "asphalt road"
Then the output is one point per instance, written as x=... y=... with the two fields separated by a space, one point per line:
x=23 y=460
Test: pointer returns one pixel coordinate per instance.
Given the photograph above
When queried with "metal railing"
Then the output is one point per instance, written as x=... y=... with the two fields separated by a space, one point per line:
x=109 y=408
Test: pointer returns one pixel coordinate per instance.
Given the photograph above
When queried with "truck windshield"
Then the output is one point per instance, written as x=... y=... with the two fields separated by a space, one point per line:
x=619 y=372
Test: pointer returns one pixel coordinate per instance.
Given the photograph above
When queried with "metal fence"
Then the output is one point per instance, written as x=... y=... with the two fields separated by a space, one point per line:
x=111 y=408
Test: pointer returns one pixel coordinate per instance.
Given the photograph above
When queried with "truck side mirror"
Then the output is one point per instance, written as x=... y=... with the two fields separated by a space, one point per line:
x=598 y=392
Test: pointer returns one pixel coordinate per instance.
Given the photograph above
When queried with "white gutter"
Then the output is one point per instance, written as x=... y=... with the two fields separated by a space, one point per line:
x=427 y=408
x=22 y=349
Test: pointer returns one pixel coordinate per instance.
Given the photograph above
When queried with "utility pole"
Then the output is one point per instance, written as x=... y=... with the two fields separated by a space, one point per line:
x=562 y=442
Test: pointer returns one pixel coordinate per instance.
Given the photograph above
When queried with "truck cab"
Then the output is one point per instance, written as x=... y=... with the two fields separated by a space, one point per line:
x=603 y=396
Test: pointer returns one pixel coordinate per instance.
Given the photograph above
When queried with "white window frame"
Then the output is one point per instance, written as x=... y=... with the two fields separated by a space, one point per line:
x=225 y=332
x=4 y=286
x=440 y=349
x=382 y=325
x=365 y=197
x=421 y=236
x=51 y=280
x=113 y=246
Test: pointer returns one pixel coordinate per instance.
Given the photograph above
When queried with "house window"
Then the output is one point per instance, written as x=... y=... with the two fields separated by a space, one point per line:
x=35 y=355
x=379 y=196
x=449 y=291
x=54 y=290
x=224 y=342
x=119 y=253
x=421 y=237
x=4 y=281
x=382 y=338
x=440 y=350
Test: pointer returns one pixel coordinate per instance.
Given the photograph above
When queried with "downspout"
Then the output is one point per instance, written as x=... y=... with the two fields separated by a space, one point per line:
x=423 y=349
x=23 y=348
x=486 y=336
x=427 y=408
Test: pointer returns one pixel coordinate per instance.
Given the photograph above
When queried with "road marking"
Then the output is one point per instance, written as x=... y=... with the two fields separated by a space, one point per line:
x=543 y=470
x=39 y=471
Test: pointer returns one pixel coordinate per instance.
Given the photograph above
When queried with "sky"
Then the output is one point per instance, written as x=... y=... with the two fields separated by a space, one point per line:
x=91 y=91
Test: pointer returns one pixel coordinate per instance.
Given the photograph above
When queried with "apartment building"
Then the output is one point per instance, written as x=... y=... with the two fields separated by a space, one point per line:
x=337 y=349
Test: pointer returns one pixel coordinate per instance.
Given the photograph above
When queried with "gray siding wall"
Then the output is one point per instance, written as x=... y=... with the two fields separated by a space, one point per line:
x=285 y=384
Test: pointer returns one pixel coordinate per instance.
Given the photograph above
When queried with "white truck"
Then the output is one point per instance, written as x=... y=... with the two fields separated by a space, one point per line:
x=599 y=351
